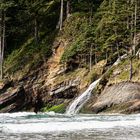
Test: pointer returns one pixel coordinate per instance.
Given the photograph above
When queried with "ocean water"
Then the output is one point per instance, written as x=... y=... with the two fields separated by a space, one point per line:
x=52 y=126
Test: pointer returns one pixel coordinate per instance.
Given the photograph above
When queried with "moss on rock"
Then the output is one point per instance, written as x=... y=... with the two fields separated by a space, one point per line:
x=56 y=108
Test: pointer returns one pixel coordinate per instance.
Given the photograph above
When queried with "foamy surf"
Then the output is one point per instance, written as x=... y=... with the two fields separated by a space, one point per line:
x=23 y=123
x=14 y=115
x=65 y=126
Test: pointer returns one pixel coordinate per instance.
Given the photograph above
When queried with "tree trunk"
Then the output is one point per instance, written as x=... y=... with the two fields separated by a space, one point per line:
x=36 y=30
x=68 y=8
x=132 y=25
x=118 y=51
x=2 y=44
x=132 y=41
x=131 y=69
x=135 y=29
x=90 y=64
x=91 y=14
x=128 y=3
x=61 y=14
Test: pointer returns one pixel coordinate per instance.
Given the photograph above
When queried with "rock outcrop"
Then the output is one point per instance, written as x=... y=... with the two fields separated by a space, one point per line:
x=123 y=97
x=51 y=84
x=14 y=99
x=40 y=86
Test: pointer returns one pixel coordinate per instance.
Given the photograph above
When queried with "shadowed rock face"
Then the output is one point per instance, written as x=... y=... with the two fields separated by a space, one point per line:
x=122 y=93
x=65 y=90
x=12 y=100
x=5 y=86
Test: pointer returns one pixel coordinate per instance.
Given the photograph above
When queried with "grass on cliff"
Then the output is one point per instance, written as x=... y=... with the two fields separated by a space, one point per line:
x=29 y=56
x=121 y=72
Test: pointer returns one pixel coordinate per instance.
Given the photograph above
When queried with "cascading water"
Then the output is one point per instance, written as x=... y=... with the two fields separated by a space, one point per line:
x=78 y=103
x=82 y=99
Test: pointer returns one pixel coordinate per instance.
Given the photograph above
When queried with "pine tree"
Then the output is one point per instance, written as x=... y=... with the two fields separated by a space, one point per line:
x=61 y=14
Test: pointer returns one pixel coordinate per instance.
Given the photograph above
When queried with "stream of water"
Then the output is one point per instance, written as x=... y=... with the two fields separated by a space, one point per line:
x=51 y=126
x=78 y=103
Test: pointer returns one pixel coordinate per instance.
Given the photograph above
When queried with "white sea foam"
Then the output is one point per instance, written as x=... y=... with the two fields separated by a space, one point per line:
x=71 y=125
x=14 y=115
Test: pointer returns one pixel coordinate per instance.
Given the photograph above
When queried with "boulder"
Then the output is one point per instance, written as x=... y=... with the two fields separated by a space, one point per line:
x=121 y=95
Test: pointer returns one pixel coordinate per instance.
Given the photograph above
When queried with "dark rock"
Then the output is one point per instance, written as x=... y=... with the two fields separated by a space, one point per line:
x=5 y=86
x=66 y=89
x=12 y=100
x=66 y=92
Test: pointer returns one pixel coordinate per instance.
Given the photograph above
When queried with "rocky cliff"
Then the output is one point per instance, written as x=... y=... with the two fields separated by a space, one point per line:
x=51 y=83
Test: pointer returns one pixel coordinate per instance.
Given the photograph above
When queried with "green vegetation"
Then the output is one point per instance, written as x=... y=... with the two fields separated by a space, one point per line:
x=75 y=30
x=94 y=31
x=121 y=72
x=59 y=41
x=56 y=108
x=29 y=56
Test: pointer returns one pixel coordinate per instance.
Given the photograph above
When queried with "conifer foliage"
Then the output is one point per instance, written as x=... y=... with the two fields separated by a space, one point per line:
x=106 y=29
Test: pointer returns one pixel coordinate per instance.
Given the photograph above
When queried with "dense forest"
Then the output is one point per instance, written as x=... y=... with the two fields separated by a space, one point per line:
x=90 y=31
x=100 y=29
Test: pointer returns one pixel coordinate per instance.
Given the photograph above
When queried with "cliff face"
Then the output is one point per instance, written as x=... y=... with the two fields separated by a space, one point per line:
x=51 y=87
x=41 y=84
x=51 y=84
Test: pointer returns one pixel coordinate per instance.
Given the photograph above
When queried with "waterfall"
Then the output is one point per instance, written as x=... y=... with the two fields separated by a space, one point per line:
x=78 y=103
